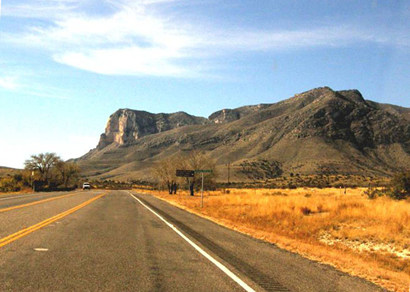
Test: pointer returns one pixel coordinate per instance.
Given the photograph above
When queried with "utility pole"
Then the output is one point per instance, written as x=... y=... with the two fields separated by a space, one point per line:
x=202 y=171
x=32 y=181
x=202 y=191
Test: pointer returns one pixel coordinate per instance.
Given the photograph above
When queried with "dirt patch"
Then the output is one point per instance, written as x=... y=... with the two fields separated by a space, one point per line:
x=367 y=246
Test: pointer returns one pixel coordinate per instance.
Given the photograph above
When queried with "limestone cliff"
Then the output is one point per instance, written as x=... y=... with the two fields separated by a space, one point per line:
x=126 y=126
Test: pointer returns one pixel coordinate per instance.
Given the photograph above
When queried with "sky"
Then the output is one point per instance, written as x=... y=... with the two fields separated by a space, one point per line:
x=67 y=65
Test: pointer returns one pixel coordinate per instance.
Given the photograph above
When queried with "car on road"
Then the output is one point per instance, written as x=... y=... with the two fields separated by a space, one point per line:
x=86 y=186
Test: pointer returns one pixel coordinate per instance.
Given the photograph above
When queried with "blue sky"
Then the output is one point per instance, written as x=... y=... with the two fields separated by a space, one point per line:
x=66 y=65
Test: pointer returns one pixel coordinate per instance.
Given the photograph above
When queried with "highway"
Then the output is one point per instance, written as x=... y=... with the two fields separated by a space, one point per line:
x=123 y=241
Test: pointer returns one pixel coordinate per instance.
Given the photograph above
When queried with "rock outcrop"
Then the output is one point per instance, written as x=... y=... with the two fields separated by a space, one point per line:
x=230 y=115
x=125 y=126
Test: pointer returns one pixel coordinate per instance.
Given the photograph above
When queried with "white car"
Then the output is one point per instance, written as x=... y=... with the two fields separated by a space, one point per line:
x=86 y=186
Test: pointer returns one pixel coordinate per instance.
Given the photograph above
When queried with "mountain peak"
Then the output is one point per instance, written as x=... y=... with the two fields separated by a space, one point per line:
x=353 y=95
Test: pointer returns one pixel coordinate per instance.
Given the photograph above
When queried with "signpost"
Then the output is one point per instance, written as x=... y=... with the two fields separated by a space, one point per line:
x=191 y=173
x=185 y=173
x=202 y=171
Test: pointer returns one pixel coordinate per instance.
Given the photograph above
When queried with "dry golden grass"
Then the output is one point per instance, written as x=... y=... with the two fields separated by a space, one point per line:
x=368 y=238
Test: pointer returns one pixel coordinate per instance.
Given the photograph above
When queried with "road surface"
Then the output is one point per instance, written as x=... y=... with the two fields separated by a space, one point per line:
x=119 y=241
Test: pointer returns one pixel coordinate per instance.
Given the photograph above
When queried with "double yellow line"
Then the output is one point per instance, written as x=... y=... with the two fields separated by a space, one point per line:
x=34 y=203
x=6 y=240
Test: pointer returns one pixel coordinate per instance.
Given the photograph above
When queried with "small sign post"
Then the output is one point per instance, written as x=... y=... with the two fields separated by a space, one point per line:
x=185 y=173
x=202 y=171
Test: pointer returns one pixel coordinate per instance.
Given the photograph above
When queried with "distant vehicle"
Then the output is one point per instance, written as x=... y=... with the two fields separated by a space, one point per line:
x=86 y=186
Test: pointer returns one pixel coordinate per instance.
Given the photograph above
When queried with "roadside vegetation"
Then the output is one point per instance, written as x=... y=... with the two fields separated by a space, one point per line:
x=398 y=188
x=45 y=171
x=344 y=227
x=165 y=172
x=295 y=180
x=19 y=180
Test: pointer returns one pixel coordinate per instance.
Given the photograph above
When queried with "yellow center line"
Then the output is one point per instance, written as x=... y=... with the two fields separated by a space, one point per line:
x=8 y=239
x=34 y=203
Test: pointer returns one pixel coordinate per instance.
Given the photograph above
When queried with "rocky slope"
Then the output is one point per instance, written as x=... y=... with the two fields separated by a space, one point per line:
x=317 y=131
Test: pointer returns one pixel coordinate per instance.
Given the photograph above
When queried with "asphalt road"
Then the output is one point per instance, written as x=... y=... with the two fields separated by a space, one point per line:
x=117 y=243
x=15 y=200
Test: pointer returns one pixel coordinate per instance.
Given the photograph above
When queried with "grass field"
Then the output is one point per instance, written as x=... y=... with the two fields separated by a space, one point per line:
x=367 y=238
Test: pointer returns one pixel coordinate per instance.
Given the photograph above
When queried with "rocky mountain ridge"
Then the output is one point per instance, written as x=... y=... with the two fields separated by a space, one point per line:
x=311 y=131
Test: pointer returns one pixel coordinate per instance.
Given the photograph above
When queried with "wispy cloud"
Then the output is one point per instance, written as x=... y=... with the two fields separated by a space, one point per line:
x=8 y=83
x=136 y=39
x=13 y=84
x=43 y=93
x=50 y=9
x=125 y=61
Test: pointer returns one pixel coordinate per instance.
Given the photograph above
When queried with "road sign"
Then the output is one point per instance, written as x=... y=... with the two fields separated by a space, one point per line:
x=185 y=173
x=203 y=170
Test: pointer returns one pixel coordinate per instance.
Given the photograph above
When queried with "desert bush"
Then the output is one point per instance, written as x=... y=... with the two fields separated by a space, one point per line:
x=373 y=193
x=305 y=211
x=292 y=186
x=9 y=184
x=400 y=186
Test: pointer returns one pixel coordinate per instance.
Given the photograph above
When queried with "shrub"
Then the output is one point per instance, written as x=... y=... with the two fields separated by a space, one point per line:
x=292 y=186
x=372 y=193
x=306 y=211
x=8 y=184
x=400 y=186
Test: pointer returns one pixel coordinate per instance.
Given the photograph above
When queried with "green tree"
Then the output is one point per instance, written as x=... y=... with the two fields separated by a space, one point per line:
x=196 y=160
x=165 y=172
x=42 y=163
x=68 y=172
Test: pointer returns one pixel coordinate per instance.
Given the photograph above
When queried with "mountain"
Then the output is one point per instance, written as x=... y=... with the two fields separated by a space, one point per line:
x=313 y=132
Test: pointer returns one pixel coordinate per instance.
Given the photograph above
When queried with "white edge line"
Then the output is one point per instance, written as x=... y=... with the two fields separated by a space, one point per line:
x=200 y=250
